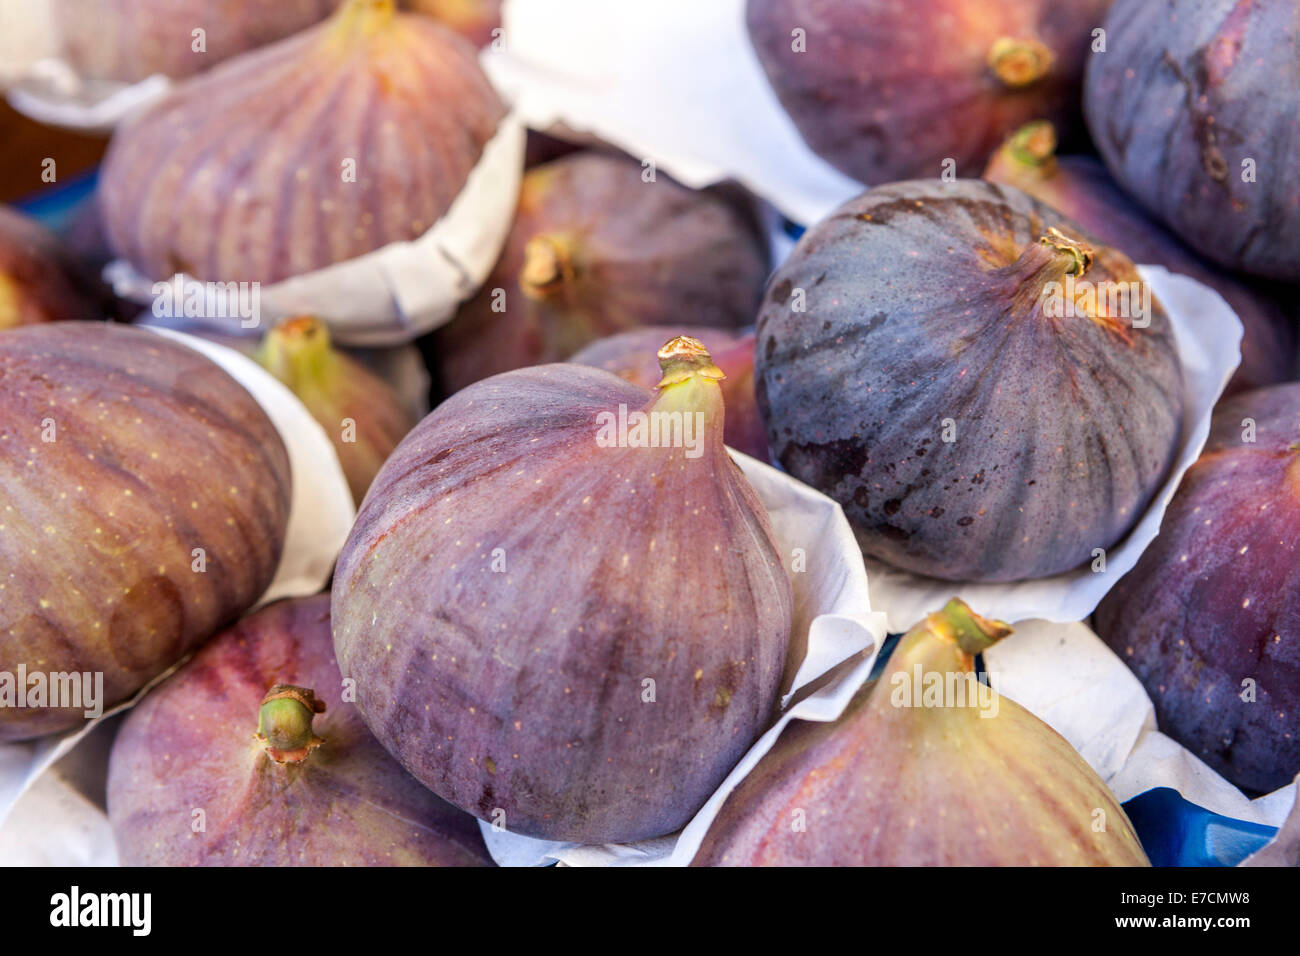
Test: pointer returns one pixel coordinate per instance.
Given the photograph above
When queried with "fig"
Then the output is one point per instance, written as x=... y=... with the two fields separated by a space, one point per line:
x=989 y=392
x=1209 y=619
x=255 y=737
x=1080 y=187
x=360 y=413
x=129 y=40
x=42 y=281
x=896 y=89
x=927 y=766
x=288 y=160
x=631 y=355
x=1193 y=106
x=562 y=603
x=476 y=20
x=595 y=249
x=146 y=499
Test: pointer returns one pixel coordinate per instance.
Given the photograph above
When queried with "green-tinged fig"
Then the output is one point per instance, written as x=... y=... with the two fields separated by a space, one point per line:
x=253 y=755
x=927 y=766
x=896 y=89
x=1209 y=619
x=146 y=498
x=1193 y=108
x=989 y=392
x=597 y=249
x=41 y=280
x=476 y=20
x=354 y=134
x=1080 y=187
x=562 y=603
x=360 y=413
x=631 y=355
x=129 y=40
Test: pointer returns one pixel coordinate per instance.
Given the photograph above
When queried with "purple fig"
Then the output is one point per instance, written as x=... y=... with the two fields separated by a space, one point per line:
x=1080 y=187
x=895 y=89
x=631 y=355
x=1193 y=107
x=41 y=281
x=562 y=603
x=1209 y=619
x=356 y=133
x=129 y=40
x=596 y=249
x=990 y=393
x=252 y=755
x=927 y=766
x=145 y=506
x=362 y=416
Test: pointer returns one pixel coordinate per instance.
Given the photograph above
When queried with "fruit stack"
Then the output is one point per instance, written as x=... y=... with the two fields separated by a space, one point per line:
x=569 y=607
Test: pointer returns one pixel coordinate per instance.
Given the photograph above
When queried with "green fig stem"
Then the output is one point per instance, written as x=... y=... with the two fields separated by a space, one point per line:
x=298 y=353
x=548 y=266
x=284 y=723
x=683 y=358
x=1019 y=62
x=1078 y=256
x=972 y=633
x=1034 y=144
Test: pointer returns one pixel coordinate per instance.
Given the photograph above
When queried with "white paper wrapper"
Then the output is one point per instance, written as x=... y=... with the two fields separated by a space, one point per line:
x=320 y=517
x=676 y=81
x=399 y=292
x=831 y=605
x=27 y=35
x=1208 y=335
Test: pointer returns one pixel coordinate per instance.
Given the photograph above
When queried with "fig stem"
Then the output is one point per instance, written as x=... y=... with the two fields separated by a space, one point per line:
x=972 y=633
x=364 y=17
x=1019 y=62
x=1034 y=144
x=1080 y=255
x=284 y=722
x=683 y=358
x=298 y=353
x=548 y=264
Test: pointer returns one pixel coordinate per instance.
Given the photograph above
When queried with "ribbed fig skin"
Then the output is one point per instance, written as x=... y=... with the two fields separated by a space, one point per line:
x=40 y=279
x=925 y=767
x=631 y=356
x=189 y=746
x=240 y=174
x=1209 y=619
x=890 y=89
x=1188 y=92
x=154 y=452
x=128 y=40
x=642 y=253
x=1080 y=188
x=522 y=691
x=923 y=318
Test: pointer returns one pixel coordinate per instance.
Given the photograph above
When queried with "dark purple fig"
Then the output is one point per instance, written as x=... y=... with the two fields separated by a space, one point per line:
x=41 y=281
x=328 y=145
x=594 y=250
x=631 y=355
x=1080 y=187
x=896 y=89
x=927 y=766
x=146 y=497
x=476 y=20
x=1209 y=619
x=253 y=755
x=984 y=388
x=360 y=413
x=562 y=602
x=1193 y=107
x=129 y=40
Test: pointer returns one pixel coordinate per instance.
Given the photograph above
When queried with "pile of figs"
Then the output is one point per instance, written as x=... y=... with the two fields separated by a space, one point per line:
x=572 y=601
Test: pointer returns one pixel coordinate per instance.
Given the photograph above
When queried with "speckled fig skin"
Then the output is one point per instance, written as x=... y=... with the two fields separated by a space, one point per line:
x=1187 y=91
x=41 y=281
x=890 y=89
x=129 y=40
x=238 y=174
x=894 y=785
x=523 y=690
x=595 y=250
x=360 y=413
x=191 y=744
x=1080 y=187
x=156 y=452
x=631 y=355
x=923 y=305
x=1215 y=599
